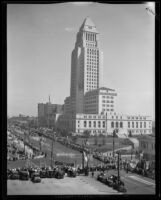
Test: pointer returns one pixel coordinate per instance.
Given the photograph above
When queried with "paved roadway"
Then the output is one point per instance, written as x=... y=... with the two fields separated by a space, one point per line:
x=79 y=185
x=134 y=183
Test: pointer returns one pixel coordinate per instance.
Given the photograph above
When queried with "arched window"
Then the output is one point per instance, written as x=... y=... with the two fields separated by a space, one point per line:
x=103 y=124
x=112 y=124
x=85 y=123
x=121 y=125
x=117 y=124
x=94 y=123
x=89 y=123
x=99 y=124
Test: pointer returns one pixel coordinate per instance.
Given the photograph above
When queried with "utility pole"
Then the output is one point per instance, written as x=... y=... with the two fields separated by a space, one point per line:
x=106 y=123
x=52 y=150
x=113 y=143
x=24 y=140
x=118 y=166
x=83 y=160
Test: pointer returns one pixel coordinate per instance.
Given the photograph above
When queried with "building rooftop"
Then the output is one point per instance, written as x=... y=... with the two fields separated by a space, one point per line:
x=88 y=25
x=99 y=89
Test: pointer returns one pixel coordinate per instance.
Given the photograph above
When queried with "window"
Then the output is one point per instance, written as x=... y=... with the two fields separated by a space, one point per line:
x=136 y=124
x=112 y=124
x=128 y=124
x=94 y=123
x=132 y=124
x=85 y=123
x=117 y=124
x=89 y=123
x=99 y=124
x=103 y=124
x=121 y=125
x=144 y=124
x=140 y=124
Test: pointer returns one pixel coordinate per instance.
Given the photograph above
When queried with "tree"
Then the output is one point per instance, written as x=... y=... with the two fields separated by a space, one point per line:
x=74 y=139
x=86 y=133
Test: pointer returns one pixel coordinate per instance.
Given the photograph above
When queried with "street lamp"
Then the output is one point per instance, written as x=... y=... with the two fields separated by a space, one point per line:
x=118 y=166
x=113 y=142
x=53 y=139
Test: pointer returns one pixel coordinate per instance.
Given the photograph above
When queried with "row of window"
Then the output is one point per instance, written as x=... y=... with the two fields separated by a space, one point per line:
x=107 y=101
x=144 y=118
x=116 y=124
x=90 y=36
x=136 y=125
x=104 y=110
x=90 y=45
x=93 y=51
x=106 y=97
x=104 y=105
x=94 y=124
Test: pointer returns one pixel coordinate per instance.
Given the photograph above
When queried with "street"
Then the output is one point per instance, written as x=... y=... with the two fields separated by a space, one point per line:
x=134 y=183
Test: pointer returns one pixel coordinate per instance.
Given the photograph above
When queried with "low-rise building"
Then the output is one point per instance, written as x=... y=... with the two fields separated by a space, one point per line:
x=46 y=113
x=99 y=101
x=147 y=146
x=105 y=123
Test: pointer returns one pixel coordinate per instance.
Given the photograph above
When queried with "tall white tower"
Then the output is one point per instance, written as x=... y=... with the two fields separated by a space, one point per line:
x=86 y=65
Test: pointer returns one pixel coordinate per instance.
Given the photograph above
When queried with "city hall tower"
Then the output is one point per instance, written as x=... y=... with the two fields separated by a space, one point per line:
x=86 y=65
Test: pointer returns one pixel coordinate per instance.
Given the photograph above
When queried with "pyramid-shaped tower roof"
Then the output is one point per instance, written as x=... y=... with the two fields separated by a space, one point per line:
x=88 y=25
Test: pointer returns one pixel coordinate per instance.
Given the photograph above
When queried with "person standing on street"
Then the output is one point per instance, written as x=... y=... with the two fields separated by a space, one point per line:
x=92 y=173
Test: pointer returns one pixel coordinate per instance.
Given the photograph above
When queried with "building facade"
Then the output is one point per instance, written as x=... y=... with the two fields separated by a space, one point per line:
x=86 y=65
x=147 y=146
x=99 y=101
x=91 y=106
x=105 y=123
x=46 y=113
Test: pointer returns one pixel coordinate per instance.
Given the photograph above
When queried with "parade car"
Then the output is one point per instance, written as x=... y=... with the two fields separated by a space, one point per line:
x=72 y=173
x=50 y=173
x=111 y=180
x=24 y=175
x=59 y=174
x=101 y=177
x=9 y=173
x=119 y=186
x=43 y=174
x=36 y=178
x=14 y=175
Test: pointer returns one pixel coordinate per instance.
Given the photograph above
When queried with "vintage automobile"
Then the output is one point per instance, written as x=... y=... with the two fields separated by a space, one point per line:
x=36 y=178
x=50 y=173
x=24 y=175
x=31 y=172
x=119 y=186
x=71 y=173
x=43 y=174
x=9 y=172
x=101 y=176
x=59 y=174
x=111 y=180
x=14 y=175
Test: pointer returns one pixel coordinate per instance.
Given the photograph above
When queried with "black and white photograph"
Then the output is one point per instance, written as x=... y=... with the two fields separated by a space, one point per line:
x=81 y=99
